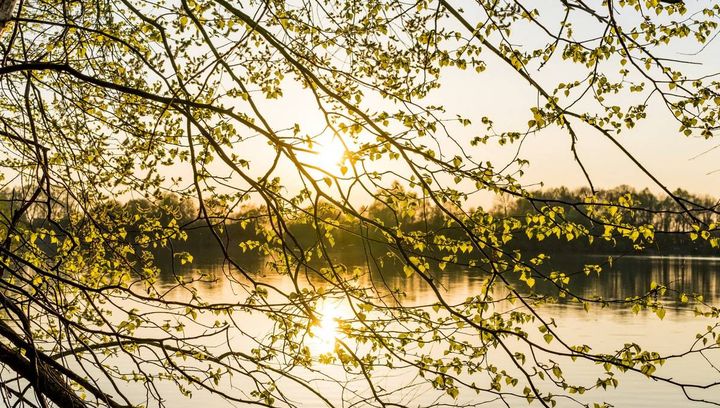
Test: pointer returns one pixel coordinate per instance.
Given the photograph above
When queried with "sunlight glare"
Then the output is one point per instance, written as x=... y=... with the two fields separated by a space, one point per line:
x=329 y=155
x=326 y=333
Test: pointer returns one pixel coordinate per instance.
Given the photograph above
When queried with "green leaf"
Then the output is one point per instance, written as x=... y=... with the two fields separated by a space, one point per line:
x=409 y=271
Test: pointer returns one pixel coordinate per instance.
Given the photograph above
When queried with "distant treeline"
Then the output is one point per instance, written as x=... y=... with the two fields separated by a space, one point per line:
x=671 y=220
x=243 y=230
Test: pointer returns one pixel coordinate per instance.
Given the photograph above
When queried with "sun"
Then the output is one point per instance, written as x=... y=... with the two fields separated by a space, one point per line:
x=328 y=154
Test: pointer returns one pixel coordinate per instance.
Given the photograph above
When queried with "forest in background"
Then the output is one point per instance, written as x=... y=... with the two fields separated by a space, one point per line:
x=247 y=232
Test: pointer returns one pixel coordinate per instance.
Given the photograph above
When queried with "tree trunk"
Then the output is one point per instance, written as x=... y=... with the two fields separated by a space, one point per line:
x=44 y=379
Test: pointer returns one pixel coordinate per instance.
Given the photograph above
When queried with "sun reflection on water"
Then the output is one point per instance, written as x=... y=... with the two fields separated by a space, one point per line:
x=324 y=335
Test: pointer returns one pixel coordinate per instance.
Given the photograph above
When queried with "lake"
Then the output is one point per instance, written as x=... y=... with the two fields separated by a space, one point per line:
x=605 y=329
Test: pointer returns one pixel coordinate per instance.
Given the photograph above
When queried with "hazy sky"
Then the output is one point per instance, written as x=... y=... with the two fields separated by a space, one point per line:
x=501 y=94
x=656 y=142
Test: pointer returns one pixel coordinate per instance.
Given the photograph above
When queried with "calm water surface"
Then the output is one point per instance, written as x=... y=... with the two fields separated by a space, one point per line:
x=604 y=329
